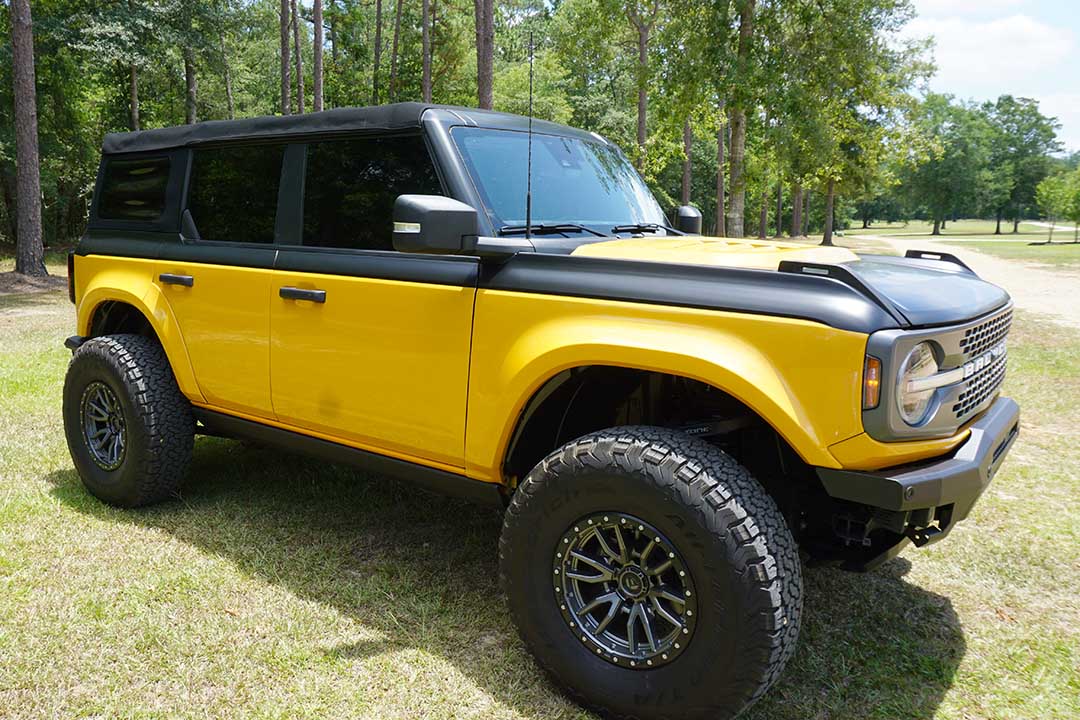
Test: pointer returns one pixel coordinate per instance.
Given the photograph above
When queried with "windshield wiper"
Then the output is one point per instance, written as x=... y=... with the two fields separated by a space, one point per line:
x=642 y=227
x=555 y=228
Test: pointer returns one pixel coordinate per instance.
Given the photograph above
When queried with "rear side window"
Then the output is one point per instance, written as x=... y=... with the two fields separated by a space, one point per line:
x=233 y=192
x=134 y=189
x=350 y=188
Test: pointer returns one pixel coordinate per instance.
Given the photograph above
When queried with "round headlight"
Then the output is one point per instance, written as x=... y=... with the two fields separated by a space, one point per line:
x=919 y=363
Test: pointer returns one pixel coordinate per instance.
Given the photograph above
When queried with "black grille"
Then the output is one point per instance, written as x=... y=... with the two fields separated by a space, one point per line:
x=980 y=387
x=981 y=338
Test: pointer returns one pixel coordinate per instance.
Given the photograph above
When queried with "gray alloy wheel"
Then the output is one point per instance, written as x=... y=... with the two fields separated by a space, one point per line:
x=103 y=426
x=625 y=590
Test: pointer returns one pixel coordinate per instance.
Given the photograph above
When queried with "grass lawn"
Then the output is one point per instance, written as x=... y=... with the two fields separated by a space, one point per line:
x=281 y=587
x=55 y=262
x=1063 y=256
x=964 y=230
x=844 y=239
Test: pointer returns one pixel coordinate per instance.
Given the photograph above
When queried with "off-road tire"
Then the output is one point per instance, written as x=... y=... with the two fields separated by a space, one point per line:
x=736 y=545
x=160 y=428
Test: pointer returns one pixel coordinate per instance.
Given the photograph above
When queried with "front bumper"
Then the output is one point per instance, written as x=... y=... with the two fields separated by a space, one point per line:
x=933 y=496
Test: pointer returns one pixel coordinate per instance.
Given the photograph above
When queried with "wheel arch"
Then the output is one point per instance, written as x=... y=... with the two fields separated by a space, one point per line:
x=586 y=398
x=112 y=310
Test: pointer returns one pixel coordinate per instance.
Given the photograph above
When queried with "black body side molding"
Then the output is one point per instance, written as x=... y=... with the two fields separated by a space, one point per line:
x=438 y=481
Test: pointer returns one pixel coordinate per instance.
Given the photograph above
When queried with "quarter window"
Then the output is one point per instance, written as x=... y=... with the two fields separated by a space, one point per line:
x=134 y=189
x=234 y=191
x=350 y=188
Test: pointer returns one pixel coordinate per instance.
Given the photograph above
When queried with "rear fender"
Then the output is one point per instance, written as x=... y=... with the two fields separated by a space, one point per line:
x=130 y=281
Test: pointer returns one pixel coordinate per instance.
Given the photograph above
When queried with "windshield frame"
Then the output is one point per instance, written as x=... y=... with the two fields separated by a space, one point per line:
x=496 y=221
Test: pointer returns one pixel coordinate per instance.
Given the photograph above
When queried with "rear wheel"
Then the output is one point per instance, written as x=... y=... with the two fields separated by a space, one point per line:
x=651 y=575
x=129 y=429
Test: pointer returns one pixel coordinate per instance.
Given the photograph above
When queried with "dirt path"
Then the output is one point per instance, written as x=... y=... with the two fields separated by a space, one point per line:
x=1053 y=294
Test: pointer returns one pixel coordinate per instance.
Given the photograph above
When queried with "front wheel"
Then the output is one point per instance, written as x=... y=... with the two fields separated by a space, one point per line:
x=651 y=575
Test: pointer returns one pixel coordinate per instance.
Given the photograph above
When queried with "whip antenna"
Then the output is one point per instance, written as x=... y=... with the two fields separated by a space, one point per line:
x=528 y=166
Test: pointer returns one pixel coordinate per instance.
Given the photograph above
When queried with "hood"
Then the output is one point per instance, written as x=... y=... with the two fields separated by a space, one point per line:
x=919 y=292
x=723 y=252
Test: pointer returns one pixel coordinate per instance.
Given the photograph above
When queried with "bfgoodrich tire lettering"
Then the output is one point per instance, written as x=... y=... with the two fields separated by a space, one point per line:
x=735 y=544
x=157 y=424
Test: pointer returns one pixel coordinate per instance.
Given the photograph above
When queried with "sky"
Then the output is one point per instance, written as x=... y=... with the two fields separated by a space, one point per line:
x=1026 y=48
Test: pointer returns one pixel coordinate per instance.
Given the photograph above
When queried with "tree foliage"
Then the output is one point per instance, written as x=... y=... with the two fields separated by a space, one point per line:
x=804 y=95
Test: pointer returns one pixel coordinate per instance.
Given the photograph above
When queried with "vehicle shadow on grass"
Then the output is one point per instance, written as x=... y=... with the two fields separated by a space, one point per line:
x=872 y=645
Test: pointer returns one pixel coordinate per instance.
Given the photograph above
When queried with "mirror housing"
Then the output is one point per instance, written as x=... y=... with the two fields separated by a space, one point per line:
x=688 y=220
x=434 y=224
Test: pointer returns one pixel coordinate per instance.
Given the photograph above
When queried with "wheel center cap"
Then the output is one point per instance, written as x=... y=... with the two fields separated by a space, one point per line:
x=633 y=582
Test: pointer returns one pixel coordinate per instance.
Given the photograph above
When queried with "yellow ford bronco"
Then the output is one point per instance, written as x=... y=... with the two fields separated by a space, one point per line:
x=501 y=310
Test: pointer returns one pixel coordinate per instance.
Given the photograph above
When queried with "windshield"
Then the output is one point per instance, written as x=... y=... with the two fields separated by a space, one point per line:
x=573 y=180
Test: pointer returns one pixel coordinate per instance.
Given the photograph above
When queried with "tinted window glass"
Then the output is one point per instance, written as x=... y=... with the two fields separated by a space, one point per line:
x=351 y=186
x=134 y=189
x=233 y=192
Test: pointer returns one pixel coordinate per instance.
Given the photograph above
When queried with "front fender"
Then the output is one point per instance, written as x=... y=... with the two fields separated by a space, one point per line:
x=801 y=377
x=130 y=281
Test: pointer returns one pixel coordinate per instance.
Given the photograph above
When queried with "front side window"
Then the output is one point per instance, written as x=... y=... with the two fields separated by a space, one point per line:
x=233 y=192
x=134 y=189
x=573 y=180
x=350 y=187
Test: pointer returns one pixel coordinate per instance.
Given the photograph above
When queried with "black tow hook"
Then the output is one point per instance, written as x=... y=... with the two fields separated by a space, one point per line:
x=921 y=536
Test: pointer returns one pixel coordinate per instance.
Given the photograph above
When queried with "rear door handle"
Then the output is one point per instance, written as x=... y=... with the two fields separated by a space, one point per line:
x=170 y=279
x=295 y=293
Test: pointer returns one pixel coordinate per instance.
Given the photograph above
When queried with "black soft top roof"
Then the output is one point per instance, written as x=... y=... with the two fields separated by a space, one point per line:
x=399 y=116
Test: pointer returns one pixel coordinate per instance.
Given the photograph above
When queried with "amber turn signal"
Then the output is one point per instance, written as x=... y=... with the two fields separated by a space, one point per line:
x=871 y=389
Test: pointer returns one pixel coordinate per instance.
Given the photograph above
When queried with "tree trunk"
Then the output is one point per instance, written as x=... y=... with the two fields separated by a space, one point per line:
x=1016 y=223
x=1050 y=239
x=796 y=208
x=943 y=223
x=688 y=144
x=29 y=248
x=763 y=219
x=228 y=80
x=286 y=63
x=332 y=14
x=830 y=194
x=298 y=50
x=485 y=52
x=937 y=226
x=133 y=91
x=997 y=228
x=425 y=42
x=737 y=184
x=806 y=214
x=378 y=53
x=737 y=117
x=642 y=91
x=192 y=84
x=720 y=229
x=394 y=53
x=317 y=58
x=780 y=208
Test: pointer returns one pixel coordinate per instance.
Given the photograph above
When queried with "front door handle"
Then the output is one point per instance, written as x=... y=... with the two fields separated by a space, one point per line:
x=170 y=279
x=295 y=293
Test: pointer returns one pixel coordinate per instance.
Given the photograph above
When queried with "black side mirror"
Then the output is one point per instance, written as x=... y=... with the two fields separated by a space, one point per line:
x=433 y=224
x=688 y=220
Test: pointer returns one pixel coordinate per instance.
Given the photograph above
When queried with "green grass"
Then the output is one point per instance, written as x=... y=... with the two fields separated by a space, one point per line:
x=55 y=261
x=283 y=588
x=1063 y=256
x=965 y=230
